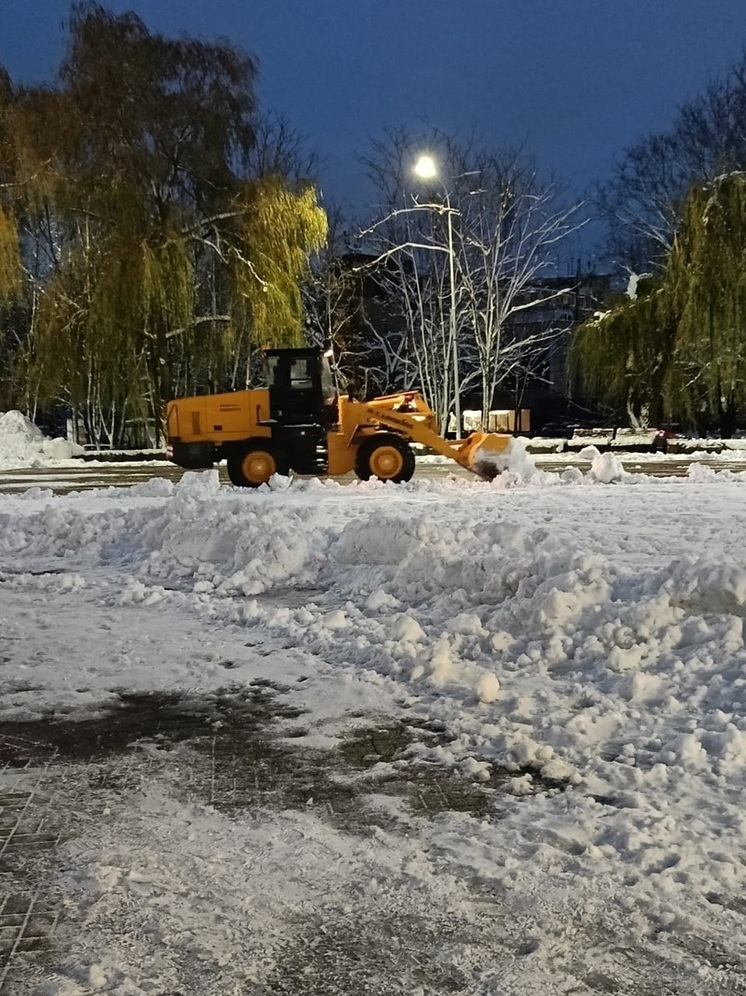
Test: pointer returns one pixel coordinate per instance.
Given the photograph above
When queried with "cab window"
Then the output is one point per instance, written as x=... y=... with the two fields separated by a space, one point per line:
x=301 y=375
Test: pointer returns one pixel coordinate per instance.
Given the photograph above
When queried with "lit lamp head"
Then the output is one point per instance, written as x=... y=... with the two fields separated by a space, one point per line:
x=425 y=167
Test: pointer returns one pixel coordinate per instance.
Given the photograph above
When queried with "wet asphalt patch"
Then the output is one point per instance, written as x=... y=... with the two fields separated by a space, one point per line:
x=237 y=751
x=233 y=750
x=244 y=757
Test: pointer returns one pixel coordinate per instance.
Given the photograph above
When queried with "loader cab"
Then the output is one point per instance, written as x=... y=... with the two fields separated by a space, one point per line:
x=301 y=387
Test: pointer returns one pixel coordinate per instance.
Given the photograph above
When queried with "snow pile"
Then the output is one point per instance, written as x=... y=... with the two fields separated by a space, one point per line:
x=440 y=594
x=606 y=468
x=514 y=462
x=580 y=645
x=23 y=444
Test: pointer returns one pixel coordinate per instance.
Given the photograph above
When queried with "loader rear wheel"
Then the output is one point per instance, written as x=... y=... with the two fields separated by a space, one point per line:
x=255 y=463
x=385 y=456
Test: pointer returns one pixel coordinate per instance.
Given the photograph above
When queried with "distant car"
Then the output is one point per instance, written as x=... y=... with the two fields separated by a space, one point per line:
x=641 y=440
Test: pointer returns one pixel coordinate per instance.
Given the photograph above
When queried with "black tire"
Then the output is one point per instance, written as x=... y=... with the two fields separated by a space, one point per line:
x=253 y=463
x=385 y=456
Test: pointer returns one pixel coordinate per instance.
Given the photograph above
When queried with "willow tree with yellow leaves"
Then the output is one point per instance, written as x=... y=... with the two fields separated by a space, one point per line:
x=11 y=269
x=678 y=349
x=157 y=258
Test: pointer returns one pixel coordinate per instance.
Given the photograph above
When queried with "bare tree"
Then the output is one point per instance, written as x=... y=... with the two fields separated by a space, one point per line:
x=643 y=201
x=337 y=300
x=471 y=252
x=280 y=149
x=508 y=234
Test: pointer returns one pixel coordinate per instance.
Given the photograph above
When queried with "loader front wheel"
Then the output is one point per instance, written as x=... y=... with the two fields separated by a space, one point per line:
x=385 y=456
x=255 y=463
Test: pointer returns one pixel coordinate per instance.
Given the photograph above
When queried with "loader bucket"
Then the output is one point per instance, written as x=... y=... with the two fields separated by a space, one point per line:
x=485 y=453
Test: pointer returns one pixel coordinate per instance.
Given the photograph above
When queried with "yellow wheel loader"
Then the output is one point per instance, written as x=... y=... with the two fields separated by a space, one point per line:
x=301 y=423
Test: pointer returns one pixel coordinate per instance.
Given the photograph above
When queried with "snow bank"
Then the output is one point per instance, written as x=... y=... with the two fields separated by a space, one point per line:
x=580 y=644
x=441 y=588
x=23 y=444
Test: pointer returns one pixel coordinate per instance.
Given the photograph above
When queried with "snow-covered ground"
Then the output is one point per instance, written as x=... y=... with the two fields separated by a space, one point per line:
x=577 y=637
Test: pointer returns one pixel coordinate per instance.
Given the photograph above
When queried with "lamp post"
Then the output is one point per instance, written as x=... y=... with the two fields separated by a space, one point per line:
x=426 y=169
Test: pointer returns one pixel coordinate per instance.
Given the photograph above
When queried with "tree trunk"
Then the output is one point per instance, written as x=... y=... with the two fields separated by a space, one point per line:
x=727 y=417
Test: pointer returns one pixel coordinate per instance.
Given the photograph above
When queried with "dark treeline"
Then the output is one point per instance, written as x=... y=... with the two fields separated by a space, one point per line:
x=157 y=227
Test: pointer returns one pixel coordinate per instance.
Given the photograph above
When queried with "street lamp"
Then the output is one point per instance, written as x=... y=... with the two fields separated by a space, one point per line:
x=426 y=169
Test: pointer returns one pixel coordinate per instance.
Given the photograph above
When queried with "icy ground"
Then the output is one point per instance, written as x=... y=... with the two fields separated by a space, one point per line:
x=562 y=655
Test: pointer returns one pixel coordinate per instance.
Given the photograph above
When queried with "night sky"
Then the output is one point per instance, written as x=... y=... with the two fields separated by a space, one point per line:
x=572 y=81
